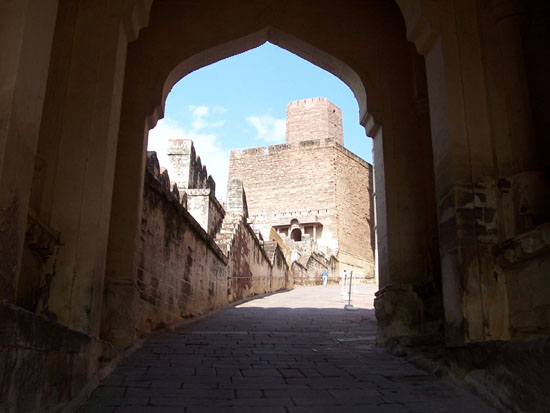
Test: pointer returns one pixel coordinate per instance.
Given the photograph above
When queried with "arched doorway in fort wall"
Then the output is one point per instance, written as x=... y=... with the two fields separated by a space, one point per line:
x=390 y=87
x=458 y=114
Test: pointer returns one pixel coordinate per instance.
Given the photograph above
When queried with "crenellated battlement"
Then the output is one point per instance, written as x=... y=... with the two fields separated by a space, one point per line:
x=261 y=151
x=190 y=184
x=186 y=166
x=161 y=175
x=308 y=101
x=184 y=269
x=273 y=149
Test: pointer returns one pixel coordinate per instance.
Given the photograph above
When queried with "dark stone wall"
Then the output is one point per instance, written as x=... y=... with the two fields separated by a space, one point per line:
x=43 y=363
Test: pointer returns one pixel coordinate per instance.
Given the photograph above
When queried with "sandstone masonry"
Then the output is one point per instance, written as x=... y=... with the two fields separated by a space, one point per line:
x=182 y=269
x=312 y=190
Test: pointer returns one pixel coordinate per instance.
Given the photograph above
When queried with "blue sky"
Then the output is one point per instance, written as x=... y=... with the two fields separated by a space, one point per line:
x=240 y=102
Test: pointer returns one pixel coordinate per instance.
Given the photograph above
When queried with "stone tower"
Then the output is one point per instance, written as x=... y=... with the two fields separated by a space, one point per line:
x=316 y=118
x=312 y=191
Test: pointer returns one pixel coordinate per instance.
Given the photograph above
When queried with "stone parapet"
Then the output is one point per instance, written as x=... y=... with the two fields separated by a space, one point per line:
x=183 y=271
x=236 y=198
x=314 y=142
x=205 y=208
x=186 y=167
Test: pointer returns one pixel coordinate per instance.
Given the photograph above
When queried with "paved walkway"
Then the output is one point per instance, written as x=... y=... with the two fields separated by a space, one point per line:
x=298 y=351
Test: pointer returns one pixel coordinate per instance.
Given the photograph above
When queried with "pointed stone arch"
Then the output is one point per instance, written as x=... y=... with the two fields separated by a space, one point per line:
x=284 y=40
x=468 y=94
x=179 y=40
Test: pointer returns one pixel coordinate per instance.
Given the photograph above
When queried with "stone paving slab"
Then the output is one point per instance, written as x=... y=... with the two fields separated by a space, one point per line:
x=297 y=351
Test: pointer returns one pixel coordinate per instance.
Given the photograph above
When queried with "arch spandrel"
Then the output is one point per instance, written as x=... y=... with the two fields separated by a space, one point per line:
x=359 y=52
x=284 y=40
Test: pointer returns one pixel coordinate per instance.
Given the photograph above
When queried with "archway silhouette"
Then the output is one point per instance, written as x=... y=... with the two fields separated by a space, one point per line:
x=241 y=103
x=459 y=130
x=162 y=55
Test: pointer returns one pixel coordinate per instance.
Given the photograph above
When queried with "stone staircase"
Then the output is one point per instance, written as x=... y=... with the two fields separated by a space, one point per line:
x=269 y=248
x=224 y=238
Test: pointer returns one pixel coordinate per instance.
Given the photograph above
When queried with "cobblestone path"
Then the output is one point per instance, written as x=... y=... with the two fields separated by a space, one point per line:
x=297 y=351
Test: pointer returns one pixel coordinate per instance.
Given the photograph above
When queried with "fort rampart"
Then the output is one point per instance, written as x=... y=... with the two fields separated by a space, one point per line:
x=184 y=272
x=316 y=180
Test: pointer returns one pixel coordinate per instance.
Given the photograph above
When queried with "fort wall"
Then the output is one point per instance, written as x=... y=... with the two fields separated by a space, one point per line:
x=354 y=200
x=250 y=270
x=289 y=181
x=191 y=177
x=308 y=271
x=186 y=166
x=302 y=171
x=183 y=271
x=312 y=181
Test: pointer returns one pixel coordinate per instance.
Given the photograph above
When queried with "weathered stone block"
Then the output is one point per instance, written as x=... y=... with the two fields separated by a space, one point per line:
x=398 y=312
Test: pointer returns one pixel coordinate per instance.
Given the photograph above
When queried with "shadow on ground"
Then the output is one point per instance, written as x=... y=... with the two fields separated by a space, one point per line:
x=266 y=356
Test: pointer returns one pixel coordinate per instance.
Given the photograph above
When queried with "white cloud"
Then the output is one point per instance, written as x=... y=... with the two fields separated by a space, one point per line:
x=199 y=111
x=268 y=128
x=199 y=123
x=219 y=109
x=207 y=146
x=200 y=115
